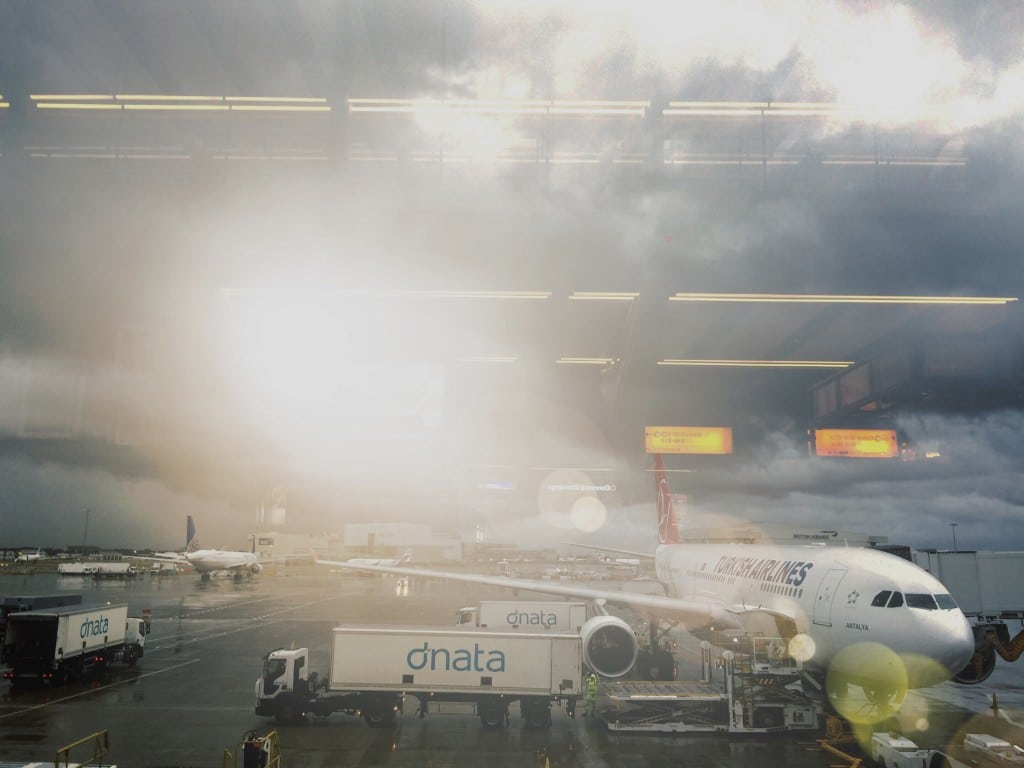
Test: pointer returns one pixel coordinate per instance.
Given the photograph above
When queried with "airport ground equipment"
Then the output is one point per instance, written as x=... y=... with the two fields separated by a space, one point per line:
x=374 y=669
x=985 y=749
x=525 y=615
x=987 y=587
x=753 y=690
x=61 y=643
x=99 y=569
x=256 y=752
x=22 y=603
x=892 y=750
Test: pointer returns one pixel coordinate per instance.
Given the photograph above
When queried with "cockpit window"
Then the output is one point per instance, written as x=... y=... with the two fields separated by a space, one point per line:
x=896 y=600
x=946 y=602
x=881 y=598
x=920 y=600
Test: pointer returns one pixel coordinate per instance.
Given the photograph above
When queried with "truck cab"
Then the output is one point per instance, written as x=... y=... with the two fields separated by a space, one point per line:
x=284 y=671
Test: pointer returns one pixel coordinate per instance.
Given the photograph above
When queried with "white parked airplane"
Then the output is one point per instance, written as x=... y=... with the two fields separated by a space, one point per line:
x=876 y=620
x=391 y=561
x=27 y=557
x=207 y=561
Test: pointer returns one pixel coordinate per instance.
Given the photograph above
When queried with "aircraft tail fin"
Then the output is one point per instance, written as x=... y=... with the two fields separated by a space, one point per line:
x=190 y=534
x=668 y=525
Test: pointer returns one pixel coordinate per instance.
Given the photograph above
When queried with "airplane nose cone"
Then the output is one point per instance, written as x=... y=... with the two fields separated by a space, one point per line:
x=961 y=644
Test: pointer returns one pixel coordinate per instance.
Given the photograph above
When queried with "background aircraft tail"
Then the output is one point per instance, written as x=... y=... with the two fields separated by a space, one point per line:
x=668 y=526
x=190 y=534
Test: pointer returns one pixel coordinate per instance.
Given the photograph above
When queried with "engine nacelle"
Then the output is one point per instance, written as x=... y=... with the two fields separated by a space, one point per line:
x=609 y=646
x=986 y=637
x=255 y=568
x=978 y=668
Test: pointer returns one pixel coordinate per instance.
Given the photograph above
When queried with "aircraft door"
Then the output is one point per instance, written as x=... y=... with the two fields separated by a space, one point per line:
x=826 y=594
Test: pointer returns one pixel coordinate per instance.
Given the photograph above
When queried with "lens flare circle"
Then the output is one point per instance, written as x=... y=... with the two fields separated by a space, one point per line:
x=866 y=682
x=588 y=514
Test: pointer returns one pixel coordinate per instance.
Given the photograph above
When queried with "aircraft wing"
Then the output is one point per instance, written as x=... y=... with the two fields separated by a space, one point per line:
x=627 y=552
x=692 y=613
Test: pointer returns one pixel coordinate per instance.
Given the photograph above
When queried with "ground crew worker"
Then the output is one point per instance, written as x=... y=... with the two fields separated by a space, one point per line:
x=591 y=708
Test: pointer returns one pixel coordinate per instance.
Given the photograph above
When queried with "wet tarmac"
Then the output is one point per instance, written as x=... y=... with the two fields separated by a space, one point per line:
x=191 y=697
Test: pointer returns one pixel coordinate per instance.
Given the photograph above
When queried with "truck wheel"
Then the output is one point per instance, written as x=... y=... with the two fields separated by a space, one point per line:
x=492 y=713
x=537 y=714
x=129 y=656
x=379 y=713
x=287 y=712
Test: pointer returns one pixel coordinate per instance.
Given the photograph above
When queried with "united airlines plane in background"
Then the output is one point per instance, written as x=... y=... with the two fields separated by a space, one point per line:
x=880 y=622
x=207 y=561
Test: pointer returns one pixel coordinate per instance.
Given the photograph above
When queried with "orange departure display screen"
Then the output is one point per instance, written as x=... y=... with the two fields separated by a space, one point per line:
x=713 y=441
x=856 y=443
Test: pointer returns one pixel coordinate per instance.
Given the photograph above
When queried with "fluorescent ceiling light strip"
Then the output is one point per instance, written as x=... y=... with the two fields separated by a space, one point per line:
x=586 y=360
x=604 y=295
x=177 y=107
x=277 y=108
x=280 y=99
x=55 y=105
x=793 y=298
x=71 y=97
x=165 y=97
x=4 y=105
x=512 y=107
x=760 y=363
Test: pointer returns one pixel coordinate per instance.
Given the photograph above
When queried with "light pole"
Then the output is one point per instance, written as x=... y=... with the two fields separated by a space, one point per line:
x=953 y=526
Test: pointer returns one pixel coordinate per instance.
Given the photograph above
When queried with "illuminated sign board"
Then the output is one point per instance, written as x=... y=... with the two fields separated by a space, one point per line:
x=856 y=443
x=712 y=441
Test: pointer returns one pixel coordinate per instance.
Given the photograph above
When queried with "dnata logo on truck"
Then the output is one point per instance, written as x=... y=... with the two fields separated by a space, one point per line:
x=539 y=618
x=94 y=627
x=460 y=659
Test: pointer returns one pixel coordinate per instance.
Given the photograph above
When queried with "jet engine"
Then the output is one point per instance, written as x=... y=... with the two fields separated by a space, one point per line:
x=609 y=645
x=987 y=639
x=255 y=568
x=978 y=668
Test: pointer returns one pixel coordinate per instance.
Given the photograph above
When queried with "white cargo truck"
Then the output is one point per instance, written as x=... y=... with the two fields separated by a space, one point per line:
x=373 y=670
x=894 y=751
x=62 y=643
x=979 y=746
x=527 y=615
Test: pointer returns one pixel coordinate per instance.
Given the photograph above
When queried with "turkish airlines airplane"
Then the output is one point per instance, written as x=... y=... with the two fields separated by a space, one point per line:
x=880 y=622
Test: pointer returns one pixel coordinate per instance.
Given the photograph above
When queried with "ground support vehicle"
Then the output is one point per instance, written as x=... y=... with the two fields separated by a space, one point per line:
x=62 y=643
x=525 y=615
x=22 y=603
x=738 y=693
x=374 y=669
x=894 y=751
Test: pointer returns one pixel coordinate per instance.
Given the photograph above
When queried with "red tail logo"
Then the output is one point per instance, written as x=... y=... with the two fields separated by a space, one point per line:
x=668 y=526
